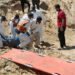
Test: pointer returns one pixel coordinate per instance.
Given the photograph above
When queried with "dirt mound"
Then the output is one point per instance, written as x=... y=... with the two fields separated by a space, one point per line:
x=51 y=42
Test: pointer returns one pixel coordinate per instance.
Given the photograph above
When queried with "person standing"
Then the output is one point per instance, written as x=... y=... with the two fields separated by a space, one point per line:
x=25 y=2
x=2 y=30
x=13 y=25
x=36 y=14
x=36 y=2
x=61 y=21
x=34 y=32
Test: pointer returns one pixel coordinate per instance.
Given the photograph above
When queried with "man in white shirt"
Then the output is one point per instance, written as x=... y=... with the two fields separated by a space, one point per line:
x=24 y=40
x=23 y=34
x=28 y=16
x=2 y=31
x=1 y=43
x=36 y=14
x=13 y=24
x=35 y=30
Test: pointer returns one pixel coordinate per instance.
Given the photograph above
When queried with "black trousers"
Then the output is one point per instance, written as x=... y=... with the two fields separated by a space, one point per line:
x=22 y=5
x=61 y=36
x=36 y=3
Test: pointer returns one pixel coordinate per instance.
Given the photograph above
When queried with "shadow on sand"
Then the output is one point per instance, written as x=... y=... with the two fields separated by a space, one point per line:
x=70 y=48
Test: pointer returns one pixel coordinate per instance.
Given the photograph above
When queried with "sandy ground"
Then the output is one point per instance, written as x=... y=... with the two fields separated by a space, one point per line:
x=48 y=48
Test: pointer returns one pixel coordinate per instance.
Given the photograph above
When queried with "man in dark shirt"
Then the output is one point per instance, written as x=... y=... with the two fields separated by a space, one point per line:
x=25 y=2
x=61 y=21
x=36 y=2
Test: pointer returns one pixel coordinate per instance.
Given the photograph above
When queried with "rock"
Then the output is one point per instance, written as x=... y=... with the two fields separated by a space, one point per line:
x=8 y=68
x=44 y=6
x=3 y=10
x=17 y=5
x=2 y=63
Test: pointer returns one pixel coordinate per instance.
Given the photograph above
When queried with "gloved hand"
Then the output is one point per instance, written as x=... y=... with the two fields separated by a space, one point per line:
x=17 y=31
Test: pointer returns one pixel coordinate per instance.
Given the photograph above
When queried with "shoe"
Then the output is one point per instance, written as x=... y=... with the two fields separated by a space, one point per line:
x=60 y=48
x=65 y=46
x=19 y=47
x=41 y=42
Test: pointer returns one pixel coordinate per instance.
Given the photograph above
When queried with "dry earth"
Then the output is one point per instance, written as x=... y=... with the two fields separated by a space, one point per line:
x=49 y=34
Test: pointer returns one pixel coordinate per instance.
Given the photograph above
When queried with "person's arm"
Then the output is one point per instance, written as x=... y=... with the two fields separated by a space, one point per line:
x=43 y=17
x=62 y=24
x=11 y=27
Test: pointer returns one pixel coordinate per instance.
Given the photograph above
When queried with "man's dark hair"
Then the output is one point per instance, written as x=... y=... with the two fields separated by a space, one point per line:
x=16 y=16
x=30 y=14
x=3 y=18
x=57 y=6
x=39 y=18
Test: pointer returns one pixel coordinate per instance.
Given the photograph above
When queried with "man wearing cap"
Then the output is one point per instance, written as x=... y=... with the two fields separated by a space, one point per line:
x=2 y=31
x=61 y=20
x=13 y=24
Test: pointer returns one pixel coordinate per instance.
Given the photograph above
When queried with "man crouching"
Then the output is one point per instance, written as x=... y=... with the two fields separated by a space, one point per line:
x=23 y=35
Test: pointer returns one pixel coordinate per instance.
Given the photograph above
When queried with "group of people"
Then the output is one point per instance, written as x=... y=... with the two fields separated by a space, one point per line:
x=24 y=32
x=28 y=30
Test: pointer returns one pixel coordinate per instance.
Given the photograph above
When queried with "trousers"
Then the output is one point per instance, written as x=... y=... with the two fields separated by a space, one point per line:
x=37 y=2
x=61 y=36
x=22 y=5
x=36 y=38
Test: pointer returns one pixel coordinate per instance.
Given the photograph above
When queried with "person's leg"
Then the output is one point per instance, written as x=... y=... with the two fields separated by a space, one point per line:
x=37 y=40
x=24 y=42
x=60 y=34
x=33 y=3
x=27 y=2
x=1 y=42
x=64 y=43
x=22 y=5
x=38 y=6
x=40 y=31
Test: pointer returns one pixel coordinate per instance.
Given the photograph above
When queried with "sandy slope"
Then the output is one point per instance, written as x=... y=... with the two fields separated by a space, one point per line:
x=49 y=47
